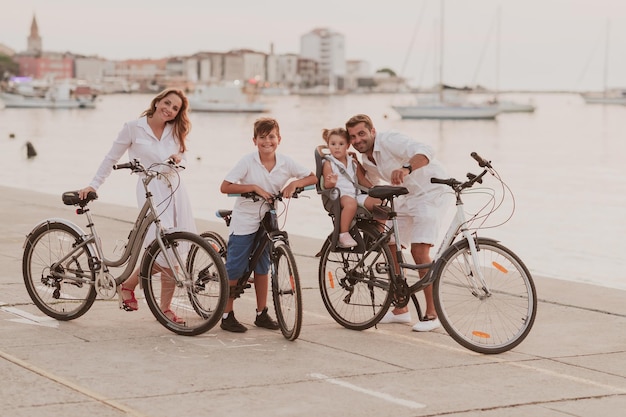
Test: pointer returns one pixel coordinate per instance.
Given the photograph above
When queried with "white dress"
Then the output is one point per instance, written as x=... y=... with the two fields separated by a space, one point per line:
x=344 y=184
x=137 y=138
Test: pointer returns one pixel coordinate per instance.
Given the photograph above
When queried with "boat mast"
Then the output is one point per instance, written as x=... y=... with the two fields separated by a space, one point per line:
x=441 y=32
x=606 y=56
x=498 y=35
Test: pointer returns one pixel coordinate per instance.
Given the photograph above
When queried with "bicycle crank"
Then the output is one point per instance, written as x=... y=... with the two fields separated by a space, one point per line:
x=105 y=285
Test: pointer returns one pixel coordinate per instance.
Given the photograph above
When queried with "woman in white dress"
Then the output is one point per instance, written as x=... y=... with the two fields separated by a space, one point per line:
x=158 y=135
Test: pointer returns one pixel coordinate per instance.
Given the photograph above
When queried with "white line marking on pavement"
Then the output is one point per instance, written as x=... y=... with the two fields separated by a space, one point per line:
x=521 y=365
x=381 y=395
x=29 y=318
x=91 y=394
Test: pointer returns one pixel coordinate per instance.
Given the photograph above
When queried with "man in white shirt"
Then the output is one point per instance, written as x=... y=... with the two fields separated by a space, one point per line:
x=397 y=159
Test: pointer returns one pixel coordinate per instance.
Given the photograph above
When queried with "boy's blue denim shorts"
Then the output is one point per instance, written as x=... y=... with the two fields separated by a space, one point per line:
x=237 y=255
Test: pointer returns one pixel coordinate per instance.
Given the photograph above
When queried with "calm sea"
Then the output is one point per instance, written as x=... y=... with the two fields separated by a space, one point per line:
x=564 y=164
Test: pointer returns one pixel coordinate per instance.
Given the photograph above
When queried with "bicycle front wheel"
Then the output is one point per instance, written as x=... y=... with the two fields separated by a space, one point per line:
x=57 y=273
x=492 y=316
x=189 y=298
x=286 y=292
x=355 y=286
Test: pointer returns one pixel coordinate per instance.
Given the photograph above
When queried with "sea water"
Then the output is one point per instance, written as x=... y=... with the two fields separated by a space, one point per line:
x=563 y=163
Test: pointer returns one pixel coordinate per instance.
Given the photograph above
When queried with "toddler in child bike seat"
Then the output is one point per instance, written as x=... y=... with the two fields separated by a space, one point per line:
x=342 y=170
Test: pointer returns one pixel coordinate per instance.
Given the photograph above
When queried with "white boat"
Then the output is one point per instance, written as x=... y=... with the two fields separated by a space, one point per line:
x=275 y=91
x=447 y=110
x=26 y=92
x=607 y=95
x=613 y=96
x=228 y=98
x=58 y=96
x=507 y=106
x=442 y=107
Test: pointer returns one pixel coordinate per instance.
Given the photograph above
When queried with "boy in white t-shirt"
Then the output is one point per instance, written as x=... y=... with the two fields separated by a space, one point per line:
x=265 y=173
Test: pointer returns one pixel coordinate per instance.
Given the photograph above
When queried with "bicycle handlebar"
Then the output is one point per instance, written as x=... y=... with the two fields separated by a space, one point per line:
x=255 y=197
x=125 y=165
x=472 y=178
x=481 y=162
x=135 y=165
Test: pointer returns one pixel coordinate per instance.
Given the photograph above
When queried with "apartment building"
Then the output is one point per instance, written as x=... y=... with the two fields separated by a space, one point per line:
x=327 y=48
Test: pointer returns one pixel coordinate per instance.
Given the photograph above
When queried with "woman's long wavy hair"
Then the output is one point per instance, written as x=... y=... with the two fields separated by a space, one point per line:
x=182 y=124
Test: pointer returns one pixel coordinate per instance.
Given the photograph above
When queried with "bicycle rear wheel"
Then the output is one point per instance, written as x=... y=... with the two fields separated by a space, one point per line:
x=64 y=289
x=217 y=242
x=490 y=319
x=357 y=297
x=286 y=292
x=189 y=299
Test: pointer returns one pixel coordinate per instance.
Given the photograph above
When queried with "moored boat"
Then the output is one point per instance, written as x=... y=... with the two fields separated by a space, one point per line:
x=445 y=110
x=611 y=96
x=56 y=96
x=228 y=98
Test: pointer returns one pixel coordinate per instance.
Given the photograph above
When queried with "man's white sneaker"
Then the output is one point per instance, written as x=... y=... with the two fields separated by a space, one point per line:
x=427 y=325
x=389 y=317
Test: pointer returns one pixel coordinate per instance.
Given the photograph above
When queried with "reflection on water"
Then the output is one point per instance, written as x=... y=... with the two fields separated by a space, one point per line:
x=563 y=163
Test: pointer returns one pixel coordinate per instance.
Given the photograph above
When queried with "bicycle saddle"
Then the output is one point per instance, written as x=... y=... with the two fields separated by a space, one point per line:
x=70 y=198
x=386 y=191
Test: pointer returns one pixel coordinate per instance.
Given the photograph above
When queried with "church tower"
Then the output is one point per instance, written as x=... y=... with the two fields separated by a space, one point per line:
x=34 y=40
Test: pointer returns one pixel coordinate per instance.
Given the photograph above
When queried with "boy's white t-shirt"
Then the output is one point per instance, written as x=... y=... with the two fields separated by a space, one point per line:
x=247 y=214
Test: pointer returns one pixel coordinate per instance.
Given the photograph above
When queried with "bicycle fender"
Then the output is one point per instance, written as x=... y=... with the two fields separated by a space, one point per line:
x=66 y=222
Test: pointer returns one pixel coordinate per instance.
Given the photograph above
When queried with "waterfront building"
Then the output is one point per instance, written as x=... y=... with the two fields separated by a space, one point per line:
x=321 y=65
x=328 y=49
x=36 y=63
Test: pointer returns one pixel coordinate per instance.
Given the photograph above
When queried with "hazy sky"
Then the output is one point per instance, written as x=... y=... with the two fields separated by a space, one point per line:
x=545 y=44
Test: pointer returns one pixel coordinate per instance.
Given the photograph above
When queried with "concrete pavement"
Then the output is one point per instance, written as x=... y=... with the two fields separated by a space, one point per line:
x=114 y=363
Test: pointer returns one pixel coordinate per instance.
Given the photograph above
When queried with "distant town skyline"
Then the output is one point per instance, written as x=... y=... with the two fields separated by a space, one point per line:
x=545 y=44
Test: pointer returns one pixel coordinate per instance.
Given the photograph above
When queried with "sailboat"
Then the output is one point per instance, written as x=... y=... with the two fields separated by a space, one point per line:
x=442 y=107
x=606 y=96
x=506 y=106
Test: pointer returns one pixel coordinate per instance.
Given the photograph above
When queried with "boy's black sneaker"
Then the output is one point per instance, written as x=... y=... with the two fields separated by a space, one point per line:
x=230 y=324
x=264 y=320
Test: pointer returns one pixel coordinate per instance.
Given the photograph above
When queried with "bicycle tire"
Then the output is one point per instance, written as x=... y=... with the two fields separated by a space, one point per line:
x=217 y=242
x=199 y=300
x=357 y=301
x=286 y=291
x=63 y=298
x=485 y=323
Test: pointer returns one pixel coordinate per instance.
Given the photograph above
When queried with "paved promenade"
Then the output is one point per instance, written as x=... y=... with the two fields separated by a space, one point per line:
x=114 y=363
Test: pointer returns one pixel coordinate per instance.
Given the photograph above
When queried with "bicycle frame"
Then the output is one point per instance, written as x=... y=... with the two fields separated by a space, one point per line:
x=457 y=227
x=262 y=239
x=132 y=250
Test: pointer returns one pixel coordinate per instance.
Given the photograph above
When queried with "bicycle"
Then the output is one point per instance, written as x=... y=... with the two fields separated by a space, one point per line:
x=285 y=279
x=64 y=268
x=483 y=293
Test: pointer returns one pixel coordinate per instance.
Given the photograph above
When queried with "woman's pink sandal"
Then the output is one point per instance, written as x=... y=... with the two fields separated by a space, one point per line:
x=173 y=317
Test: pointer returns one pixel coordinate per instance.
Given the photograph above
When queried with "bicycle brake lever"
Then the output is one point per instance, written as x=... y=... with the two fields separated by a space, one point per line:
x=471 y=177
